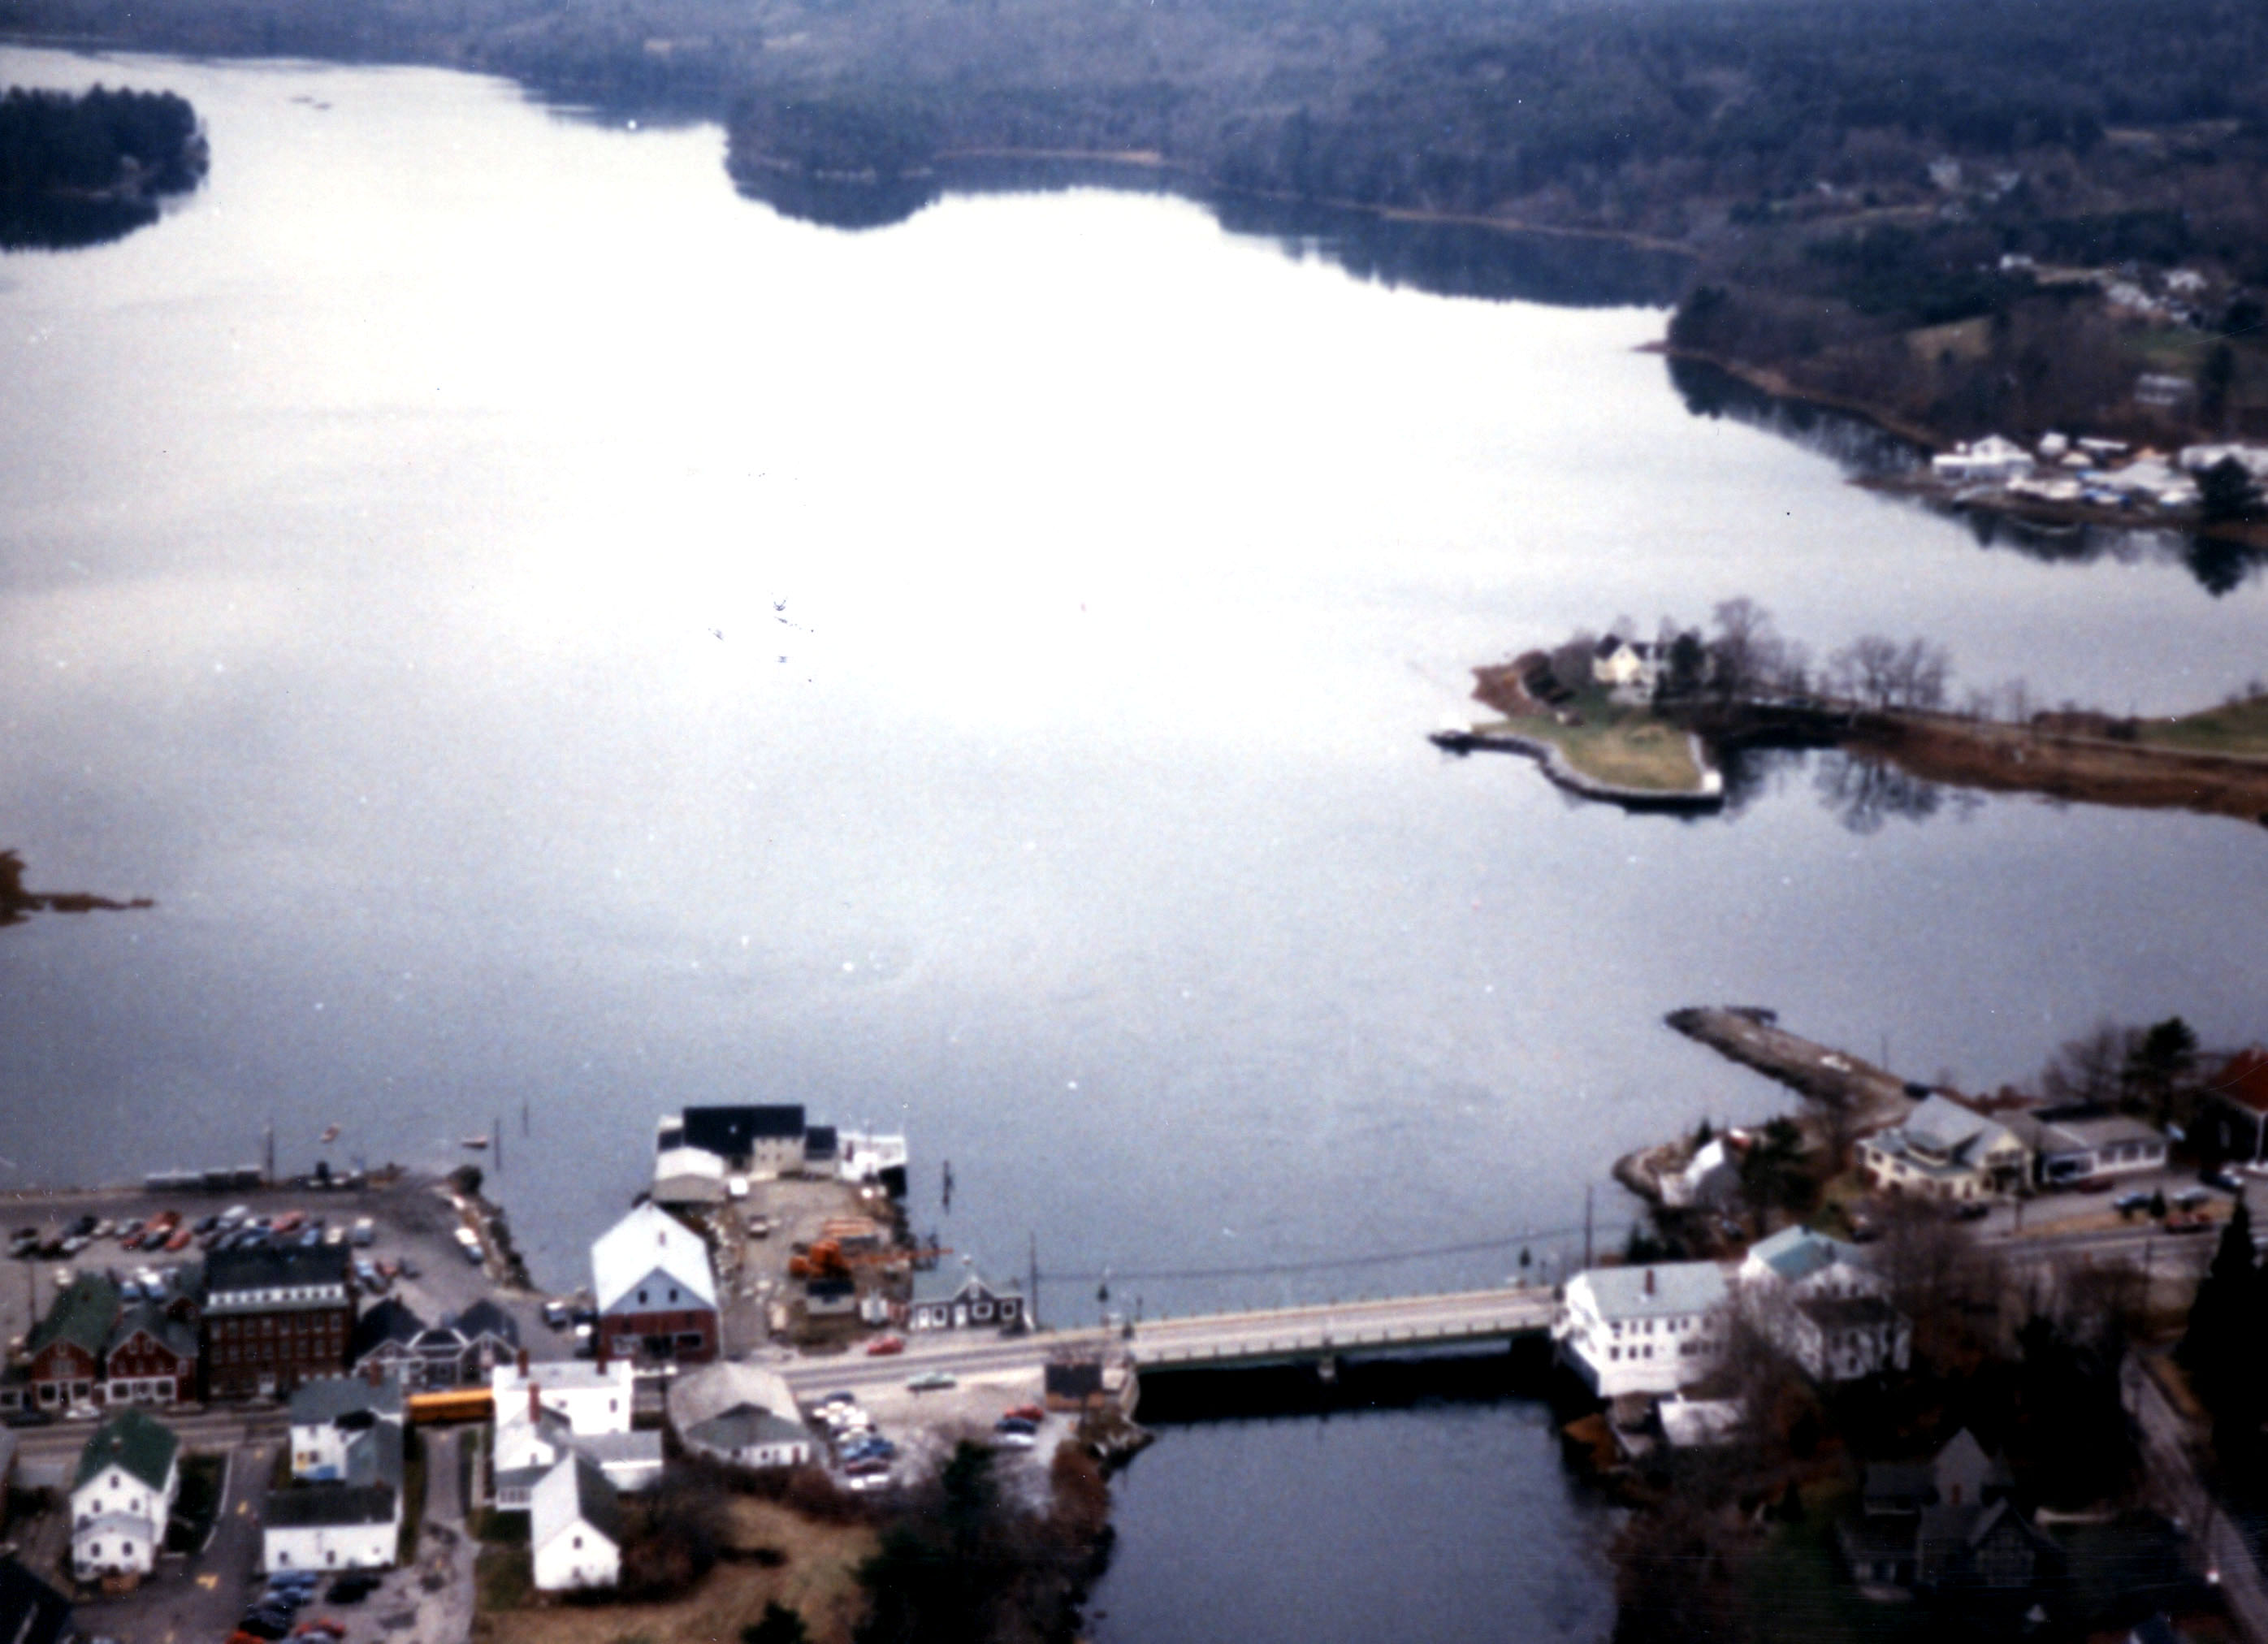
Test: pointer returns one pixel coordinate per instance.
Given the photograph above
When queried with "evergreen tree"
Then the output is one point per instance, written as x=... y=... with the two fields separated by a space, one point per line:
x=2224 y=1319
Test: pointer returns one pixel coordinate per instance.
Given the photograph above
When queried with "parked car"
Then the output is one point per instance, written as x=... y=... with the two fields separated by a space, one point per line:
x=351 y=1589
x=2127 y=1204
x=882 y=1345
x=555 y=1315
x=2226 y=1179
x=1974 y=1210
x=931 y=1382
x=2187 y=1221
x=2191 y=1198
x=1032 y=1413
x=28 y=1417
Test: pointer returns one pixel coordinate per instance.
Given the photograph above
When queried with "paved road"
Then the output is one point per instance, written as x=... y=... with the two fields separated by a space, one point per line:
x=1346 y=1326
x=2173 y=1473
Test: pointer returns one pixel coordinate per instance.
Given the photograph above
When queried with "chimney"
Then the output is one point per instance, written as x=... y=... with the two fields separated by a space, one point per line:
x=523 y=1364
x=1649 y=1281
x=376 y=1373
x=535 y=1402
x=600 y=1351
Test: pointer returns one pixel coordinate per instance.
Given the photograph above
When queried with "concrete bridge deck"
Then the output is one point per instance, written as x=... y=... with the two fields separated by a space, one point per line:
x=1223 y=1340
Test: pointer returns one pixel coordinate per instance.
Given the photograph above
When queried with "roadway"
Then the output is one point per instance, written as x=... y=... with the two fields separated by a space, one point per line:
x=1405 y=1322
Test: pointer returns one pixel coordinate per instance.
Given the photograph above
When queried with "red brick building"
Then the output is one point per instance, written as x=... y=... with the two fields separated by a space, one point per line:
x=274 y=1319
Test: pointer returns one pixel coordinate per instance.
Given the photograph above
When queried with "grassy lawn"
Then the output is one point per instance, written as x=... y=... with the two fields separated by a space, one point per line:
x=199 y=1502
x=1628 y=746
x=815 y=1573
x=2236 y=728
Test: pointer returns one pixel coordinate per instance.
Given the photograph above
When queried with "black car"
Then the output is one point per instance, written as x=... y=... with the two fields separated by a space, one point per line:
x=263 y=1622
x=351 y=1589
x=27 y=1417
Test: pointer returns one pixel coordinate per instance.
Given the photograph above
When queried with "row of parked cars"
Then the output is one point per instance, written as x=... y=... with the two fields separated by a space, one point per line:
x=863 y=1453
x=233 y=1228
x=274 y=1612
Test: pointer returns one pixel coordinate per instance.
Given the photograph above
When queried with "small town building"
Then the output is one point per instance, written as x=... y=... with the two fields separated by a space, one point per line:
x=963 y=1301
x=2235 y=1108
x=1945 y=1151
x=1846 y=1337
x=1992 y=459
x=329 y=1419
x=1946 y=1525
x=821 y=1149
x=1629 y=669
x=31 y=1612
x=594 y=1397
x=2084 y=1141
x=151 y=1357
x=575 y=1528
x=1798 y=1260
x=122 y=1496
x=755 y=1140
x=531 y=1440
x=1643 y=1329
x=1073 y=1385
x=64 y=1350
x=1692 y=1423
x=862 y=1157
x=739 y=1413
x=274 y=1318
x=655 y=1294
x=486 y=1336
x=331 y=1527
x=386 y=1340
x=1711 y=1177
x=688 y=1177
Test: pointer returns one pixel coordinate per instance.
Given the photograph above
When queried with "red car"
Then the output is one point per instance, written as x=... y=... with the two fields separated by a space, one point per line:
x=884 y=1344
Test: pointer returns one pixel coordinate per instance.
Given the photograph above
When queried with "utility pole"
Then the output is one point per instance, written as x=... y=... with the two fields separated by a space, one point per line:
x=269 y=1152
x=1586 y=1226
x=495 y=1135
x=523 y=1116
x=1034 y=1239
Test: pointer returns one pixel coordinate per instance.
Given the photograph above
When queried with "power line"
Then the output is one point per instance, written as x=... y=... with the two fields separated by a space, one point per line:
x=1328 y=1264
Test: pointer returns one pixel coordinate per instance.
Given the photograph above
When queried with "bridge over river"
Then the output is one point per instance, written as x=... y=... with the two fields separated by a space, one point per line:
x=1317 y=1334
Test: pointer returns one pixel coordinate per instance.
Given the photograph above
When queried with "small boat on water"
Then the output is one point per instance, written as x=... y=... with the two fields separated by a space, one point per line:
x=330 y=1134
x=474 y=1141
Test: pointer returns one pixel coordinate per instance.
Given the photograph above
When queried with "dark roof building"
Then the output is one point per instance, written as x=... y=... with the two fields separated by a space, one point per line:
x=274 y=1318
x=733 y=1132
x=65 y=1349
x=328 y=1505
x=31 y=1612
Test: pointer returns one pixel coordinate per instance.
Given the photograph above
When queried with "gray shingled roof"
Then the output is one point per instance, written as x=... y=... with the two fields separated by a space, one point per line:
x=328 y=1400
x=745 y=1428
x=1678 y=1288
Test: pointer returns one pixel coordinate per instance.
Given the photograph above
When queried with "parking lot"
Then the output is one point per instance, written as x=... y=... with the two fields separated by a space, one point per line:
x=414 y=1225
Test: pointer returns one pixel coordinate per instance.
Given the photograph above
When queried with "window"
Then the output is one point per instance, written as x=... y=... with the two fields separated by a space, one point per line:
x=641 y=1298
x=578 y=1543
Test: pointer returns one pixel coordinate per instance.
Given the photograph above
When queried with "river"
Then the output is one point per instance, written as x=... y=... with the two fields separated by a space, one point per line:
x=554 y=636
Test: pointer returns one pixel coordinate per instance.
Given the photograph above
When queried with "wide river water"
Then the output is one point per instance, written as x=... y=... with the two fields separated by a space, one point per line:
x=553 y=634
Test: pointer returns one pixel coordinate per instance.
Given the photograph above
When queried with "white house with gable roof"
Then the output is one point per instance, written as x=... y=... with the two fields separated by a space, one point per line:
x=1945 y=1151
x=656 y=1295
x=575 y=1528
x=1643 y=1329
x=128 y=1476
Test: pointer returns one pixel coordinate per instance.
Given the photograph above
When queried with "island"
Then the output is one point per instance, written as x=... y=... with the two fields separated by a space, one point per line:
x=76 y=170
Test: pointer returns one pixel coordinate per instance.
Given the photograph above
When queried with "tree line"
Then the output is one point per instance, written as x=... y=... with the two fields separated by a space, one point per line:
x=135 y=143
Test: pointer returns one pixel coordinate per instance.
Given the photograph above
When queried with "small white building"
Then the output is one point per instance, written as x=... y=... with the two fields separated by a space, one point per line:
x=2081 y=1142
x=594 y=1397
x=739 y=1413
x=862 y=1156
x=1709 y=1177
x=1643 y=1329
x=1944 y=1151
x=688 y=1175
x=1796 y=1261
x=575 y=1528
x=1992 y=459
x=529 y=1447
x=331 y=1527
x=122 y=1496
x=1629 y=668
x=655 y=1292
x=1843 y=1337
x=946 y=1300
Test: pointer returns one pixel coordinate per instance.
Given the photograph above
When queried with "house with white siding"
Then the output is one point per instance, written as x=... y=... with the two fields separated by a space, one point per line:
x=1643 y=1329
x=1945 y=1151
x=329 y=1418
x=122 y=1495
x=575 y=1528
x=654 y=1290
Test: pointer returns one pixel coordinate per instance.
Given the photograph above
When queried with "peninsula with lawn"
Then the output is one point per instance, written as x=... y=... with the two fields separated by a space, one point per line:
x=1663 y=724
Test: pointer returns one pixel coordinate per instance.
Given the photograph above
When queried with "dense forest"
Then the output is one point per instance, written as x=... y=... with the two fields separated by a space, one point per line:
x=1843 y=178
x=75 y=170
